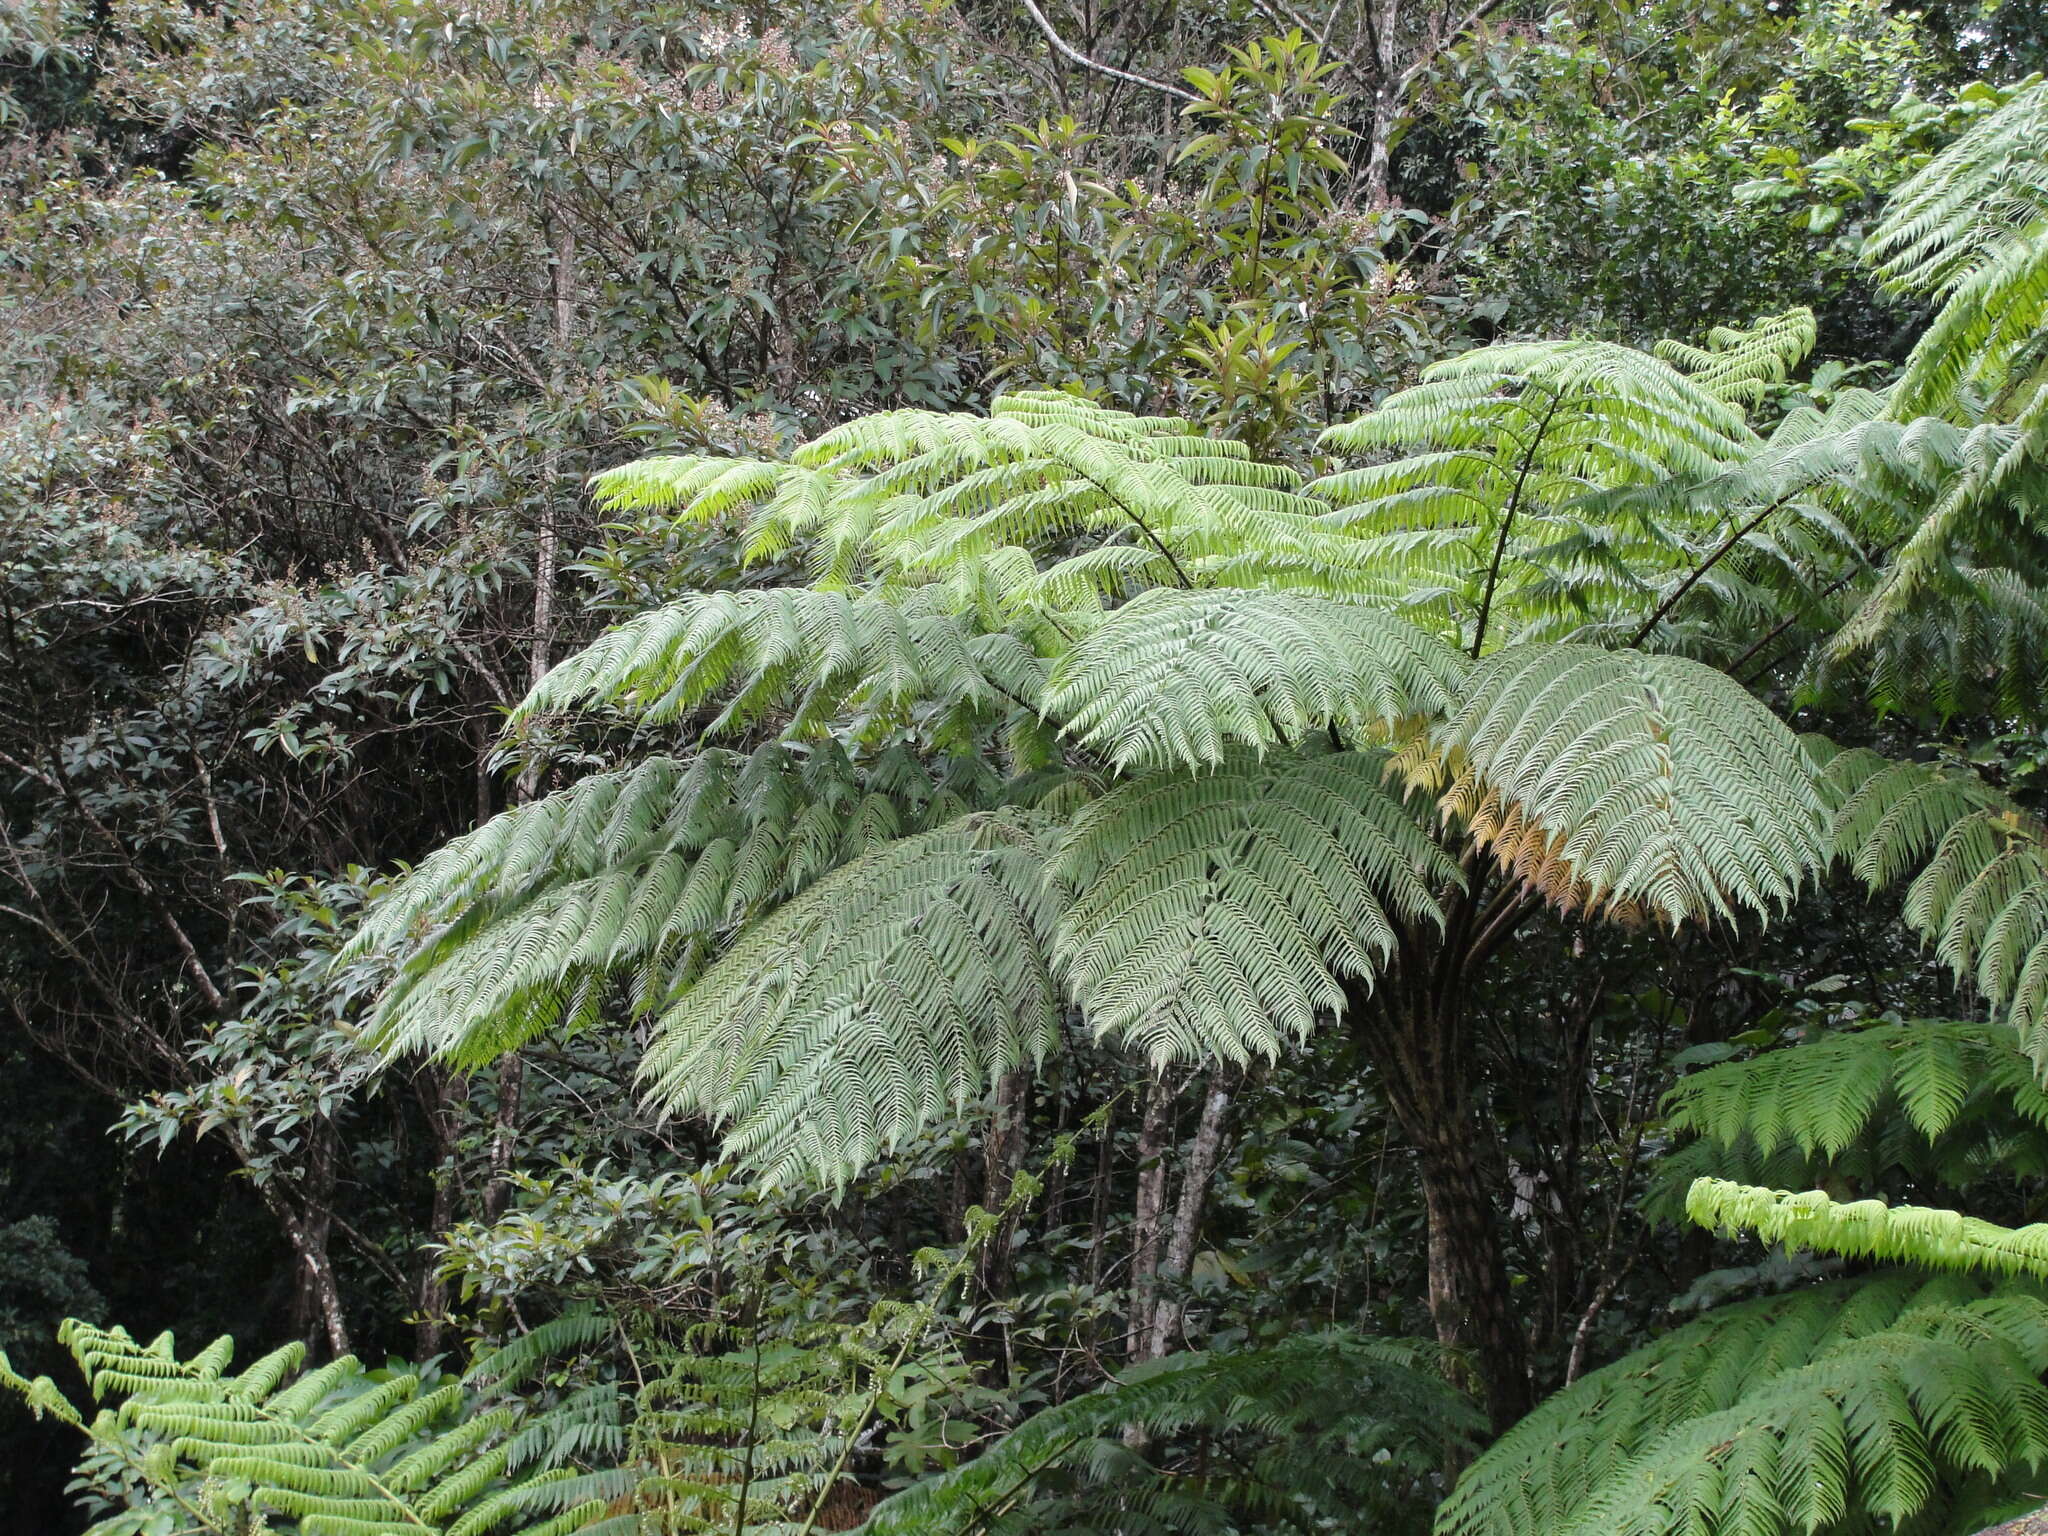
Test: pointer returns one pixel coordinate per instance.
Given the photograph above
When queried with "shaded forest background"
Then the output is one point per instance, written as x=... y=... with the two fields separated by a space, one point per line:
x=317 y=321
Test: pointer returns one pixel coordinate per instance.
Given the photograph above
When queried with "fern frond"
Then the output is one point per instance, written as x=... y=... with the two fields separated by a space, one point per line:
x=1740 y=366
x=1176 y=678
x=892 y=991
x=340 y=1450
x=1980 y=896
x=1324 y=1426
x=1823 y=1093
x=794 y=653
x=1219 y=915
x=1505 y=453
x=518 y=926
x=1925 y=1236
x=1886 y=1398
x=1632 y=783
x=1939 y=1101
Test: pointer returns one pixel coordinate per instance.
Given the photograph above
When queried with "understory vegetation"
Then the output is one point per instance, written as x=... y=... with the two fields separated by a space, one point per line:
x=956 y=768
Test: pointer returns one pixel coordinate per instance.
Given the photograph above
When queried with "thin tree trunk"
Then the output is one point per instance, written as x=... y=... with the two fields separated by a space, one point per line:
x=316 y=1296
x=441 y=1093
x=1149 y=1211
x=1170 y=1313
x=512 y=1070
x=1002 y=1161
x=505 y=1134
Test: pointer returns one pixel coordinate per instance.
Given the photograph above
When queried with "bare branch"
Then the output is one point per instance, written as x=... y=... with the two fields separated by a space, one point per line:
x=1074 y=55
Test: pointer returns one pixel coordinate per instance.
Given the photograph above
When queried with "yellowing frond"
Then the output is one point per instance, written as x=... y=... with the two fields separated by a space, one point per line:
x=1621 y=780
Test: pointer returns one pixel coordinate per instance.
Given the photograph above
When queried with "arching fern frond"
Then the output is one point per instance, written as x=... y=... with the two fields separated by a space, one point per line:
x=1641 y=785
x=1481 y=519
x=1971 y=228
x=1981 y=892
x=892 y=991
x=1323 y=1427
x=1925 y=1236
x=1890 y=1399
x=1178 y=678
x=1823 y=1093
x=1218 y=915
x=635 y=876
x=1942 y=1101
x=800 y=655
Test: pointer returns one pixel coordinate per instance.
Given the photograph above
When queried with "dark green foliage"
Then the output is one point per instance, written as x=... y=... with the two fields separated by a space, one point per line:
x=1326 y=1431
x=1900 y=1399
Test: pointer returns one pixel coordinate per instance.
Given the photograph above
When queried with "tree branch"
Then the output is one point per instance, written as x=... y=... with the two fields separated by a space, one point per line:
x=1074 y=55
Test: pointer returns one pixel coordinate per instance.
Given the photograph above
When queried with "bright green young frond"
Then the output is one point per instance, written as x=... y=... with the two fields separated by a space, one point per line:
x=795 y=654
x=341 y=1451
x=1321 y=1427
x=1637 y=784
x=891 y=992
x=1870 y=1229
x=1179 y=678
x=1219 y=915
x=1826 y=1410
x=1739 y=366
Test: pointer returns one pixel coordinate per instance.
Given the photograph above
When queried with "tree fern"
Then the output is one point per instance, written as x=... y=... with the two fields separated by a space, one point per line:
x=1894 y=1399
x=1323 y=1427
x=337 y=1451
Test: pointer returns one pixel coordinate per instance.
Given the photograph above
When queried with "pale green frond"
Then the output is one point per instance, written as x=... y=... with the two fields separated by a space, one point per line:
x=1633 y=783
x=798 y=653
x=890 y=993
x=1182 y=677
x=1220 y=915
x=1505 y=454
x=636 y=876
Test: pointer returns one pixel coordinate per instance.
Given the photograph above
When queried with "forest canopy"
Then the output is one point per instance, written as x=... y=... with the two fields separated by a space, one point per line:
x=967 y=768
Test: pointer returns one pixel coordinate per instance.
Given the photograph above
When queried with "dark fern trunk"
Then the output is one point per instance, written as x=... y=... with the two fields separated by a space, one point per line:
x=1419 y=1048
